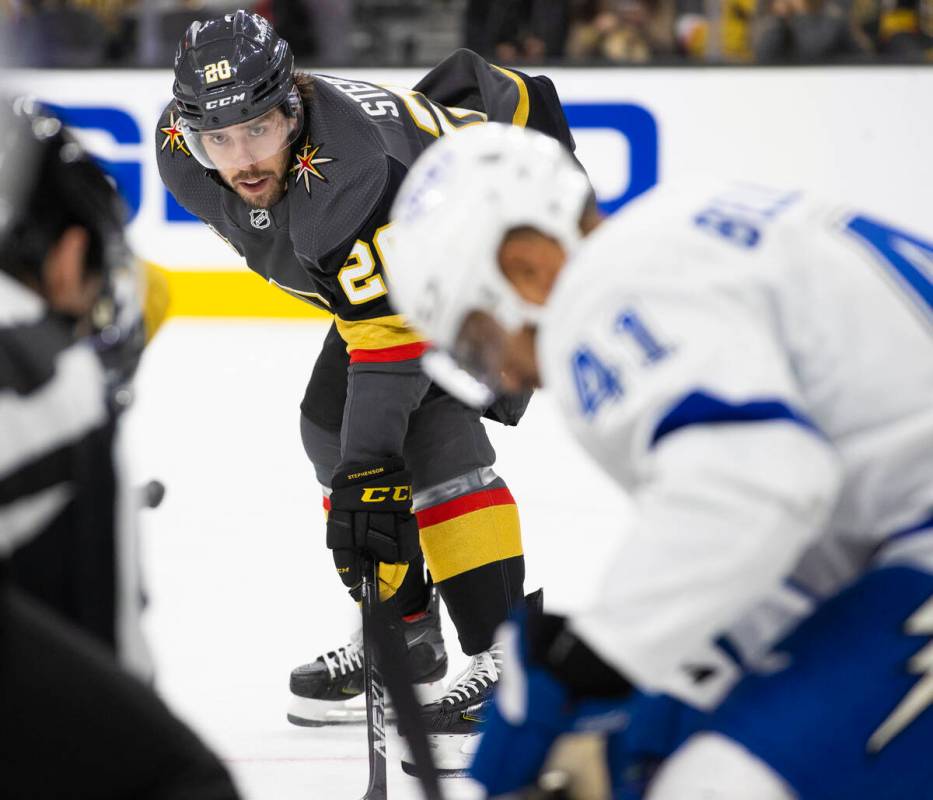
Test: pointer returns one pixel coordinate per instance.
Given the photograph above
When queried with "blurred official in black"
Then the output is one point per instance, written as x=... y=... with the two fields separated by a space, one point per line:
x=73 y=722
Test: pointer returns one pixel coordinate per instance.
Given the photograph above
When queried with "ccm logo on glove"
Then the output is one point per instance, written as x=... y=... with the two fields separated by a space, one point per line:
x=379 y=494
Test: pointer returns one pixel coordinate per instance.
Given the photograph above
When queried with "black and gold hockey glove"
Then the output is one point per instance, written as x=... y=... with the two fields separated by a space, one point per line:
x=370 y=516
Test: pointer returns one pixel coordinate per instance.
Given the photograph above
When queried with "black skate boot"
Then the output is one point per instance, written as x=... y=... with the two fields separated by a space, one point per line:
x=329 y=690
x=453 y=721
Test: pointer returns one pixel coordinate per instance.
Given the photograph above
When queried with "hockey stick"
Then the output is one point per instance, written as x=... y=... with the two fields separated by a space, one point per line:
x=383 y=641
x=372 y=683
x=393 y=655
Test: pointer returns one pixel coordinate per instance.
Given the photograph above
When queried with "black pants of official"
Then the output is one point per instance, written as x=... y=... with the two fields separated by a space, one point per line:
x=73 y=725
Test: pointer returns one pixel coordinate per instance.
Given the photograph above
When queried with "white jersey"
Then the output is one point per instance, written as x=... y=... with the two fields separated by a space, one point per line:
x=756 y=369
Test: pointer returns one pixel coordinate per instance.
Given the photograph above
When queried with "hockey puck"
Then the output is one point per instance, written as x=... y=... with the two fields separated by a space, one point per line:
x=153 y=493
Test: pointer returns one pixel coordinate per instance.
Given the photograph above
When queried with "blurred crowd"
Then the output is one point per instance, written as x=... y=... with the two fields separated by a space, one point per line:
x=702 y=31
x=404 y=32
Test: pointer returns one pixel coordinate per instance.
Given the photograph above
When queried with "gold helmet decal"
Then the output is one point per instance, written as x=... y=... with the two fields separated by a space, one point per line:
x=307 y=161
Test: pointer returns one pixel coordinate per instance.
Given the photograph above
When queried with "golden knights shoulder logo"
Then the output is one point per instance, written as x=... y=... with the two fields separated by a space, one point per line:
x=307 y=160
x=174 y=139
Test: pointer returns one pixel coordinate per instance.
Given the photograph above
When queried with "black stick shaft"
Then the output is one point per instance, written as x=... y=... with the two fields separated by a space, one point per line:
x=375 y=691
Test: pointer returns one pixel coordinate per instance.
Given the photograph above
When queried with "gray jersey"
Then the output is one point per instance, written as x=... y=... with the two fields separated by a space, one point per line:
x=327 y=240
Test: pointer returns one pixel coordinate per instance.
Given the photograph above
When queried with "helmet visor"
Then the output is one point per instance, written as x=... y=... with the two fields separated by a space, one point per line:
x=247 y=143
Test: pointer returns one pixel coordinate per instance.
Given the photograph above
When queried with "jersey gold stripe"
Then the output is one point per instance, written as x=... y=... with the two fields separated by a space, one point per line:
x=376 y=333
x=520 y=117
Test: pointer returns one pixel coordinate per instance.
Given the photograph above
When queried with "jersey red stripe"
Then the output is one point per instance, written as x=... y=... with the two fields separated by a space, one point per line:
x=402 y=352
x=464 y=505
x=326 y=503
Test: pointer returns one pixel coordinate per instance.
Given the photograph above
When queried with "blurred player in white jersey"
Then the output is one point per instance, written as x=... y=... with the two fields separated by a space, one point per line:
x=756 y=368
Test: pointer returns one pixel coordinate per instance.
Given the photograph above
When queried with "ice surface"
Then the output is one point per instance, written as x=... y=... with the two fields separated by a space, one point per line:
x=242 y=588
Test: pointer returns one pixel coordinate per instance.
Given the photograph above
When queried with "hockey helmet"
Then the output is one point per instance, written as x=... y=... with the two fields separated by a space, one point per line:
x=18 y=154
x=236 y=98
x=455 y=207
x=48 y=183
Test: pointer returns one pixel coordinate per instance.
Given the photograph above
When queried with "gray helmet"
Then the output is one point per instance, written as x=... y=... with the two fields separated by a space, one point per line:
x=228 y=72
x=49 y=183
x=19 y=153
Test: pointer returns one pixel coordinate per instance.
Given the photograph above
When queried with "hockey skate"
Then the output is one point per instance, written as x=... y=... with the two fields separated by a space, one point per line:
x=329 y=690
x=453 y=720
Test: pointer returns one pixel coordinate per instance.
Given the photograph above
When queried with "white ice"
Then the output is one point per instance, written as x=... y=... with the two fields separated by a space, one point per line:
x=242 y=588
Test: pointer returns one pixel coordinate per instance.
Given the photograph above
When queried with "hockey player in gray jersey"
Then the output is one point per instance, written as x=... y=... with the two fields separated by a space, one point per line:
x=755 y=367
x=297 y=172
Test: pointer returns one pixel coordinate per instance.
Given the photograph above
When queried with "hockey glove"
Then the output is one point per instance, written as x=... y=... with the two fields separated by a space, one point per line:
x=551 y=684
x=370 y=516
x=657 y=725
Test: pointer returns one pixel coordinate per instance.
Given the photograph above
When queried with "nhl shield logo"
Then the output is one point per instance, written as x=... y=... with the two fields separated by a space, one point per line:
x=260 y=219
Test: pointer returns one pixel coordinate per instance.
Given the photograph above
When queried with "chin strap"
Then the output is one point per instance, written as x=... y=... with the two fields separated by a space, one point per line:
x=441 y=368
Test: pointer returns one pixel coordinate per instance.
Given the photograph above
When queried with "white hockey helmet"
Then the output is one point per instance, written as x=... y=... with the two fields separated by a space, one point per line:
x=455 y=207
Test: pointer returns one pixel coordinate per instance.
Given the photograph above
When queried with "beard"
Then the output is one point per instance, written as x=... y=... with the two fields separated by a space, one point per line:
x=265 y=199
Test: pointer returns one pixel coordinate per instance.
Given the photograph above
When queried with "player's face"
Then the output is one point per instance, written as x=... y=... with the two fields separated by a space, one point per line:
x=252 y=157
x=262 y=184
x=66 y=285
x=531 y=262
x=503 y=361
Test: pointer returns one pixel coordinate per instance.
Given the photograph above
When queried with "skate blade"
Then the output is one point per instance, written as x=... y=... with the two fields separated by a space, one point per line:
x=409 y=769
x=452 y=754
x=307 y=712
